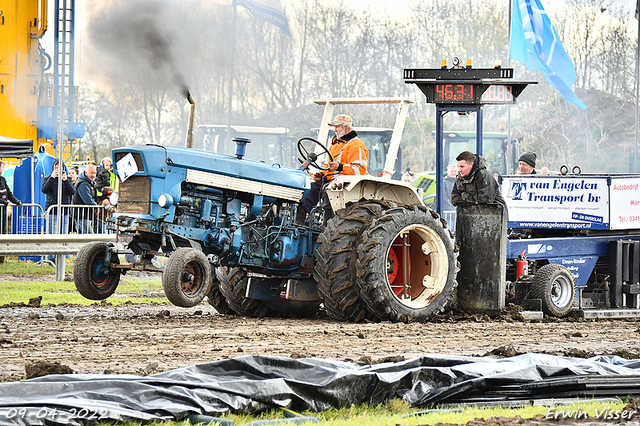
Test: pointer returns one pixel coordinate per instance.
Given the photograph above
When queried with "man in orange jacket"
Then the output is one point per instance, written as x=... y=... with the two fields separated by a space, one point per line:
x=350 y=157
x=349 y=153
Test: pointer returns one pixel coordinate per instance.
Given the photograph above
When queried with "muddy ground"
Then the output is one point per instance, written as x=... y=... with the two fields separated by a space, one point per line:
x=144 y=339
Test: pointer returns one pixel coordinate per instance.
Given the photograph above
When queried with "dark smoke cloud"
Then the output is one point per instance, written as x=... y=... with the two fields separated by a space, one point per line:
x=140 y=38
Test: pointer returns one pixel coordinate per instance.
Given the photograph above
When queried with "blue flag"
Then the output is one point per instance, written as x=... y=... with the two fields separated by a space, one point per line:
x=535 y=43
x=267 y=10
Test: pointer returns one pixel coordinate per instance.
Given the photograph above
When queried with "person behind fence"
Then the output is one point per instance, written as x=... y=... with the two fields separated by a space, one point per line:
x=6 y=196
x=85 y=196
x=408 y=177
x=103 y=175
x=73 y=174
x=50 y=189
x=104 y=214
x=527 y=163
x=475 y=184
x=447 y=184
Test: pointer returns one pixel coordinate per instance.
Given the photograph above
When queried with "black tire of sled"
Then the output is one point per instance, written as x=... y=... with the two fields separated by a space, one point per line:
x=233 y=286
x=547 y=282
x=216 y=299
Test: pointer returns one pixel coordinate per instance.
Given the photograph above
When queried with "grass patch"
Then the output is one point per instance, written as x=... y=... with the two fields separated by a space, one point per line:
x=14 y=266
x=56 y=293
x=396 y=412
x=130 y=289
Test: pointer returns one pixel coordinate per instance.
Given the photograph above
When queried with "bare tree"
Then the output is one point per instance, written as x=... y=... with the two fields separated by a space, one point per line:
x=579 y=29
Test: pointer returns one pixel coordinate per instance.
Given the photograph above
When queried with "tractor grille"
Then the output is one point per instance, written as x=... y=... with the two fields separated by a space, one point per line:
x=134 y=195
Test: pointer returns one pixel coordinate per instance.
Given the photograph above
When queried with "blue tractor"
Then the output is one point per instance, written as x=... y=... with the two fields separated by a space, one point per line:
x=227 y=225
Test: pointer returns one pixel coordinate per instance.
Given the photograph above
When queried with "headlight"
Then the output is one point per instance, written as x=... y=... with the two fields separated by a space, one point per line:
x=165 y=200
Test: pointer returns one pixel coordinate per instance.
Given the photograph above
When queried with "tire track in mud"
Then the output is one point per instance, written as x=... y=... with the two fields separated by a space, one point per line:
x=143 y=339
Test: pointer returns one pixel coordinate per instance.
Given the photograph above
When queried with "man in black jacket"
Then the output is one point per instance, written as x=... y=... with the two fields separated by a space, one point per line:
x=50 y=189
x=475 y=184
x=6 y=196
x=86 y=196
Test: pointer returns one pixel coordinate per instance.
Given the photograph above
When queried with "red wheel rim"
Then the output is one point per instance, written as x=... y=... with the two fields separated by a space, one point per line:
x=395 y=267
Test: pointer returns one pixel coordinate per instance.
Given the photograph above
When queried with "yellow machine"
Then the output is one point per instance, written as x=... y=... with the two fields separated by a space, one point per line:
x=27 y=94
x=22 y=24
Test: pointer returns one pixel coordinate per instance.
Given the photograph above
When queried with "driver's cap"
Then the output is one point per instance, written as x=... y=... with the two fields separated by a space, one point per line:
x=341 y=119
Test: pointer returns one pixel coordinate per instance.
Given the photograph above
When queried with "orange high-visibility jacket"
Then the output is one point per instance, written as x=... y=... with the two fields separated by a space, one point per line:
x=351 y=153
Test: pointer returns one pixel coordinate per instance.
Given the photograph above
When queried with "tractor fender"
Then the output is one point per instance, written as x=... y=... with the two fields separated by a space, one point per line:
x=344 y=190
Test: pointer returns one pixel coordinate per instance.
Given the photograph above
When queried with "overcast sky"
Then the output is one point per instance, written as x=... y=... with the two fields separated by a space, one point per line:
x=392 y=8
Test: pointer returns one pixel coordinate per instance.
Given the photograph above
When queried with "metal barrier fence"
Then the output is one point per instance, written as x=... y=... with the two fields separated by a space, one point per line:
x=450 y=217
x=30 y=219
x=28 y=231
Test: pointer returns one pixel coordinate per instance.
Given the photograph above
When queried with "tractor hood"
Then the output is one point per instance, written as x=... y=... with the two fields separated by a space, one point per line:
x=152 y=160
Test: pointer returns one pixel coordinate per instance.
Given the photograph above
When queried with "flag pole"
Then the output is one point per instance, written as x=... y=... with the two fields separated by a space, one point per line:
x=233 y=55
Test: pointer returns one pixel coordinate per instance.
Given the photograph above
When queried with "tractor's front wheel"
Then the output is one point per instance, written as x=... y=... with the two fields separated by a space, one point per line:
x=93 y=277
x=187 y=277
x=407 y=264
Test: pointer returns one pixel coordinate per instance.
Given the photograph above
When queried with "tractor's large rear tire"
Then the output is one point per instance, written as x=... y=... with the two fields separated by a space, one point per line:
x=233 y=286
x=555 y=286
x=187 y=277
x=217 y=299
x=412 y=241
x=335 y=256
x=91 y=274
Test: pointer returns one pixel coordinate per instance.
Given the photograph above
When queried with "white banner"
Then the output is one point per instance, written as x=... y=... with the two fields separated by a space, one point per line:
x=625 y=203
x=565 y=202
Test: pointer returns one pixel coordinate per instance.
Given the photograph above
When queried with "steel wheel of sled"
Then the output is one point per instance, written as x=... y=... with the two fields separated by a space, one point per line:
x=92 y=276
x=187 y=277
x=555 y=286
x=407 y=264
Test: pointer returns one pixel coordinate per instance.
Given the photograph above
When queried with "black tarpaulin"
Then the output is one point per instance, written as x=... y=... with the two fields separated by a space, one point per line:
x=253 y=384
x=15 y=148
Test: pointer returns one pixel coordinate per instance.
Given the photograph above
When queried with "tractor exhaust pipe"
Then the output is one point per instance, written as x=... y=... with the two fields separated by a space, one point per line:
x=192 y=114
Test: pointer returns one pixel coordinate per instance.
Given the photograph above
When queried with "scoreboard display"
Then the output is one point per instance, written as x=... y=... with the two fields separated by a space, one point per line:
x=467 y=86
x=468 y=93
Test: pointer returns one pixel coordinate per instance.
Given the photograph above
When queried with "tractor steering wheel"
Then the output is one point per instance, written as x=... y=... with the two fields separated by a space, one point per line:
x=311 y=157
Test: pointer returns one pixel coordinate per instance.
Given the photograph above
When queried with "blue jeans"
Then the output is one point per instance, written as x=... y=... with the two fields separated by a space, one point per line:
x=84 y=226
x=52 y=224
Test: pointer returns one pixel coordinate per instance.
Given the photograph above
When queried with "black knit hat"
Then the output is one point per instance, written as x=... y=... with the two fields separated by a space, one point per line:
x=529 y=158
